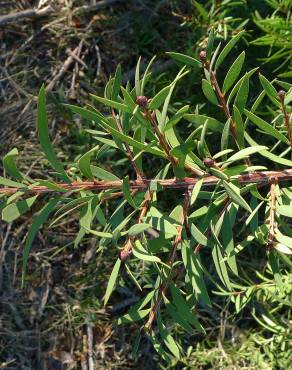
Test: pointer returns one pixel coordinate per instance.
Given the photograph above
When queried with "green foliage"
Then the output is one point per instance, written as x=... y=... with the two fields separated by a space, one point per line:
x=184 y=251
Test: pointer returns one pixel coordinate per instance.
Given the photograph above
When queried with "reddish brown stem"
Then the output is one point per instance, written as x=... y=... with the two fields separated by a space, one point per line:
x=262 y=177
x=163 y=286
x=272 y=223
x=166 y=148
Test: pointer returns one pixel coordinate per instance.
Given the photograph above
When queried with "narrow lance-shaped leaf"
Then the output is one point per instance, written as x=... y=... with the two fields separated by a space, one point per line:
x=117 y=83
x=127 y=192
x=112 y=281
x=43 y=134
x=239 y=127
x=111 y=103
x=185 y=59
x=167 y=338
x=137 y=78
x=234 y=194
x=264 y=126
x=10 y=166
x=84 y=163
x=140 y=252
x=269 y=88
x=218 y=259
x=15 y=210
x=209 y=92
x=233 y=72
x=159 y=98
x=242 y=94
x=38 y=220
x=196 y=190
x=227 y=49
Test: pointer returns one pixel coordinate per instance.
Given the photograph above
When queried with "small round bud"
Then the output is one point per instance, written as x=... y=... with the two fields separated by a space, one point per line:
x=281 y=95
x=203 y=55
x=124 y=255
x=142 y=101
x=209 y=162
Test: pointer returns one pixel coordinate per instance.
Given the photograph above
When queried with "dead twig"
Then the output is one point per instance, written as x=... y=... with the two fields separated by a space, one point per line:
x=29 y=13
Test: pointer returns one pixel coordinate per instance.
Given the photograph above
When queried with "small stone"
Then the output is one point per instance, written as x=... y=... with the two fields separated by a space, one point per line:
x=142 y=101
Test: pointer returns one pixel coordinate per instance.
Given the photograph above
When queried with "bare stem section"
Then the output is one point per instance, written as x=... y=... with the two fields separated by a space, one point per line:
x=261 y=177
x=272 y=222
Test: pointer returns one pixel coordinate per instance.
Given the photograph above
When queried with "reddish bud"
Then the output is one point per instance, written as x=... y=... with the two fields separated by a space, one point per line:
x=203 y=55
x=281 y=95
x=209 y=162
x=142 y=101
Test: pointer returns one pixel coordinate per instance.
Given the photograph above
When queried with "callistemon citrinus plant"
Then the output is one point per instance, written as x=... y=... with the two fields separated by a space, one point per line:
x=196 y=192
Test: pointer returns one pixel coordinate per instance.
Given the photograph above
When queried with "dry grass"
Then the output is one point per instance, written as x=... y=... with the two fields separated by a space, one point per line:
x=57 y=321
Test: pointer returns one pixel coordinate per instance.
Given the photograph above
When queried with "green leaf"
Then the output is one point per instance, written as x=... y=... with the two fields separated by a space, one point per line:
x=196 y=191
x=184 y=309
x=15 y=210
x=43 y=134
x=202 y=11
x=37 y=222
x=227 y=241
x=144 y=79
x=233 y=72
x=100 y=234
x=10 y=183
x=138 y=229
x=162 y=224
x=267 y=128
x=267 y=154
x=219 y=262
x=209 y=48
x=185 y=59
x=167 y=338
x=112 y=281
x=133 y=142
x=239 y=127
x=198 y=236
x=234 y=194
x=84 y=163
x=243 y=153
x=227 y=49
x=86 y=113
x=209 y=92
x=225 y=136
x=117 y=83
x=137 y=78
x=176 y=118
x=198 y=119
x=127 y=192
x=102 y=174
x=140 y=252
x=111 y=103
x=195 y=272
x=242 y=94
x=10 y=166
x=284 y=210
x=268 y=87
x=284 y=239
x=159 y=98
x=133 y=316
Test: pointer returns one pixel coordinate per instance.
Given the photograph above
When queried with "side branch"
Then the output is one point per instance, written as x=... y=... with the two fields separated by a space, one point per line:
x=262 y=177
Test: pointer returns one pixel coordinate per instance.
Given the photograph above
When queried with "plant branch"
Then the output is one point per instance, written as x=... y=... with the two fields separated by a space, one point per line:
x=261 y=177
x=139 y=173
x=272 y=224
x=163 y=286
x=165 y=146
